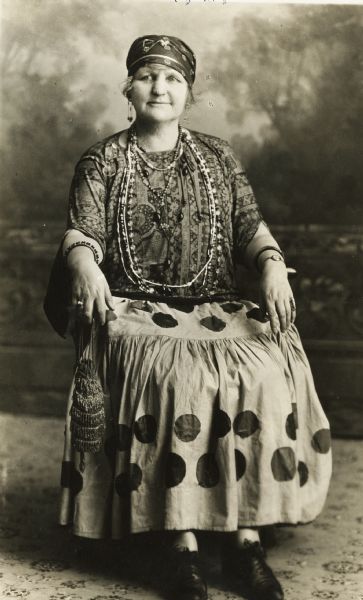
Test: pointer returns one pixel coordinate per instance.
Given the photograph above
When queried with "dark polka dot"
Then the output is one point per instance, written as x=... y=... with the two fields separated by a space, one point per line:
x=231 y=307
x=71 y=478
x=164 y=320
x=175 y=470
x=240 y=464
x=187 y=427
x=124 y=437
x=207 y=471
x=145 y=429
x=185 y=308
x=141 y=305
x=321 y=441
x=290 y=426
x=128 y=482
x=135 y=476
x=76 y=482
x=256 y=314
x=303 y=472
x=283 y=464
x=213 y=323
x=246 y=423
x=221 y=423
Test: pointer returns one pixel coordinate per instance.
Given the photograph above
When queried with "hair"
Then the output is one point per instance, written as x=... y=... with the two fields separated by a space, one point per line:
x=127 y=87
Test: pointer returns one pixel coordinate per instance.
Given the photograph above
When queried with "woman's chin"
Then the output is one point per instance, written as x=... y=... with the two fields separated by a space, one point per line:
x=157 y=114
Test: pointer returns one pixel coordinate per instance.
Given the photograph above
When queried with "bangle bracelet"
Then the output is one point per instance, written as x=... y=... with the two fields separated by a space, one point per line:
x=274 y=257
x=258 y=254
x=93 y=249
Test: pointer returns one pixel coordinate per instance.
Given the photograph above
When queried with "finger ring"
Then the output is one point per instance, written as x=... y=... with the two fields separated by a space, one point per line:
x=79 y=303
x=292 y=304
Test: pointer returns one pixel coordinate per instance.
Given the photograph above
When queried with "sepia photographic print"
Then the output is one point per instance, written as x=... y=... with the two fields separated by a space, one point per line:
x=181 y=336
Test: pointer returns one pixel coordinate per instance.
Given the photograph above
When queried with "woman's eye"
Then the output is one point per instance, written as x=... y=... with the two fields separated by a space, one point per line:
x=149 y=77
x=145 y=77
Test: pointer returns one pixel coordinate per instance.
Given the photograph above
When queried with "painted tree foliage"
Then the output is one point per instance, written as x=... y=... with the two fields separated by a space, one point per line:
x=47 y=121
x=303 y=75
x=298 y=73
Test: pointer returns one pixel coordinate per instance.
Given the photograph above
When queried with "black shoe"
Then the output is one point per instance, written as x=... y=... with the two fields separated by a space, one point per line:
x=249 y=566
x=188 y=582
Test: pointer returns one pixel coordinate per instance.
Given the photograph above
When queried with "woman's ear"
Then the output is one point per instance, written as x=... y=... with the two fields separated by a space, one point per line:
x=127 y=88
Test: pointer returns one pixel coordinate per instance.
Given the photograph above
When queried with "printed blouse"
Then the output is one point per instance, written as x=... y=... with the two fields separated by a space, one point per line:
x=174 y=254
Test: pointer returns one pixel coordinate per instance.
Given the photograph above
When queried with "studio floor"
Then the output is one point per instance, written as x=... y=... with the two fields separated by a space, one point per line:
x=41 y=561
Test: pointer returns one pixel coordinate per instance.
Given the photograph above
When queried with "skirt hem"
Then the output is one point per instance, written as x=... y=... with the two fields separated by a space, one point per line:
x=216 y=529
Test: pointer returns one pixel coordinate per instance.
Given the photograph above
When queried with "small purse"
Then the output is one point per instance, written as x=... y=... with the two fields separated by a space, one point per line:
x=88 y=419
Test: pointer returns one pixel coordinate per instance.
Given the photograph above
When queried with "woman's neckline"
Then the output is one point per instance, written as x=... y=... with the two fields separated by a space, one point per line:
x=160 y=138
x=123 y=136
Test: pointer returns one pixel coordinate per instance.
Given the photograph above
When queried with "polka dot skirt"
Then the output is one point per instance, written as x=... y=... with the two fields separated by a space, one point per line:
x=213 y=423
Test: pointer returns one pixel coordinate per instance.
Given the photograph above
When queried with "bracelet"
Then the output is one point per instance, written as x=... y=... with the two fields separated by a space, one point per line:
x=275 y=257
x=258 y=254
x=87 y=245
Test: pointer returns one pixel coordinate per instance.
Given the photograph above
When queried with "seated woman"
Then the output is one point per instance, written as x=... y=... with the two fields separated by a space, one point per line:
x=211 y=420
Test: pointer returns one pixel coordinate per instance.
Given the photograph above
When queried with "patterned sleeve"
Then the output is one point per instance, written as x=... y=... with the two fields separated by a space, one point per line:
x=246 y=213
x=86 y=211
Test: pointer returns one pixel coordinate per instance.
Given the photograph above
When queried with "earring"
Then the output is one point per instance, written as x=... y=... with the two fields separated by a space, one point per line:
x=130 y=116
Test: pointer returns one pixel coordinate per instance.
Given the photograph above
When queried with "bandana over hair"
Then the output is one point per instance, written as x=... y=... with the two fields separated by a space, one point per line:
x=162 y=50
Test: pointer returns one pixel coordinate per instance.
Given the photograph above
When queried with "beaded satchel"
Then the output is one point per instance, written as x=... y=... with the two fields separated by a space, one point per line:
x=87 y=412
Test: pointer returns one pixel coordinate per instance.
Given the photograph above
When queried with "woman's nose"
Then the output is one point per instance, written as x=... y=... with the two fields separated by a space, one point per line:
x=159 y=85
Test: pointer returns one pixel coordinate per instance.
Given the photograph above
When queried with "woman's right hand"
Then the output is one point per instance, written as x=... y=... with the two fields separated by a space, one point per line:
x=89 y=286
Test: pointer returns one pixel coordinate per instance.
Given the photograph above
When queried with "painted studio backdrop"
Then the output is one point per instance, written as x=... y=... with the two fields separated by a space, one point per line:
x=282 y=83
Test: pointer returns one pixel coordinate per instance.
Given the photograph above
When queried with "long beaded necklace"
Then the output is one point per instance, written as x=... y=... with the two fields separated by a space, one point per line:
x=125 y=231
x=159 y=195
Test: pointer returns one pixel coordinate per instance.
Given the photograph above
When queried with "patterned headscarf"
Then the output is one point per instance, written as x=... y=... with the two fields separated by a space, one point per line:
x=162 y=50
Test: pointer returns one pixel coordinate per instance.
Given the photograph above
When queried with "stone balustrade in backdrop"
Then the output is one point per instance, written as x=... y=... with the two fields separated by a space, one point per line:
x=35 y=364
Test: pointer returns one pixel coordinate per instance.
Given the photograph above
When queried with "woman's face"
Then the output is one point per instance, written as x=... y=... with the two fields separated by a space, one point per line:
x=158 y=93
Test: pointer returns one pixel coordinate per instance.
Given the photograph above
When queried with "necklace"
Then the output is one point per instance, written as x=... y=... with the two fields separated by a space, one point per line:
x=154 y=167
x=159 y=195
x=125 y=232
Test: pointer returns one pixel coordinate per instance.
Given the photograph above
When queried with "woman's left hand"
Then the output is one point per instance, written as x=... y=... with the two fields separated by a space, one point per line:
x=276 y=297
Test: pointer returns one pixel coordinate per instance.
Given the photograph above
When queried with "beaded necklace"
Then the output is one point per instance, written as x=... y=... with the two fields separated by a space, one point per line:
x=125 y=232
x=154 y=167
x=159 y=194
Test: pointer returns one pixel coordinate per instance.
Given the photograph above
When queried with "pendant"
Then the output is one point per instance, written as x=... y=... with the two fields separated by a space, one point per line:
x=159 y=194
